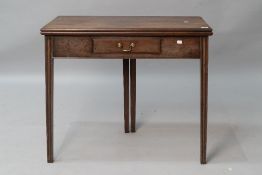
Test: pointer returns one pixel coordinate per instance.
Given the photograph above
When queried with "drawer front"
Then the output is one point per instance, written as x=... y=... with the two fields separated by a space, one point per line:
x=67 y=46
x=126 y=45
x=181 y=47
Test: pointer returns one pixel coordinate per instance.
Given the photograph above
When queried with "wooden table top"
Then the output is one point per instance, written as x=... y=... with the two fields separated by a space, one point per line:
x=69 y=24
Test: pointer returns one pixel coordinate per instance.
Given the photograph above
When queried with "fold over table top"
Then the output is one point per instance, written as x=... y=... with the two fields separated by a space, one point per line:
x=134 y=25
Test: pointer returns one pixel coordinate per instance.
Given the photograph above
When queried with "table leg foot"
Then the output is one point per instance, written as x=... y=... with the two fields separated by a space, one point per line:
x=50 y=161
x=203 y=162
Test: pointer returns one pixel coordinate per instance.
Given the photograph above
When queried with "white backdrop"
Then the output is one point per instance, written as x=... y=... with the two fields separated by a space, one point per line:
x=88 y=95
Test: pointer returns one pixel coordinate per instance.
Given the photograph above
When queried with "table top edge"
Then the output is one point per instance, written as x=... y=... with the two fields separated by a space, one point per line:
x=55 y=29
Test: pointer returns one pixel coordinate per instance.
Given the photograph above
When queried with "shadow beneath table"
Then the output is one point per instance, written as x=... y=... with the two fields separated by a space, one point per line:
x=101 y=141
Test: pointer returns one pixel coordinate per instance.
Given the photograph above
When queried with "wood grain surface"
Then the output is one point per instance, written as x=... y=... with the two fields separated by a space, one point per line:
x=99 y=24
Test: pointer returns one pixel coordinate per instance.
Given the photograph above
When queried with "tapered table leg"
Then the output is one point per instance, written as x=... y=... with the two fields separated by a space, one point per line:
x=204 y=98
x=49 y=77
x=133 y=93
x=126 y=93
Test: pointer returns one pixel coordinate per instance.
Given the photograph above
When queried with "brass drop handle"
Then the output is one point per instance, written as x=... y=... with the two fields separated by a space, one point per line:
x=131 y=46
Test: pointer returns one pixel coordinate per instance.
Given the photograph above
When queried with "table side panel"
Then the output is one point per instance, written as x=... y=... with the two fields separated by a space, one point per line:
x=181 y=47
x=70 y=46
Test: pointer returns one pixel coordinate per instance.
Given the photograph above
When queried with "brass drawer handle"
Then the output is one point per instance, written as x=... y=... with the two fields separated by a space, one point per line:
x=131 y=46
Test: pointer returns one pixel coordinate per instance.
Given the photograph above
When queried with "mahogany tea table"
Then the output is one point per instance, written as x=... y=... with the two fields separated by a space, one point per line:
x=127 y=38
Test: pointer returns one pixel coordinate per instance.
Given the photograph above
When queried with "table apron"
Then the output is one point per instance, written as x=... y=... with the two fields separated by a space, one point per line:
x=117 y=47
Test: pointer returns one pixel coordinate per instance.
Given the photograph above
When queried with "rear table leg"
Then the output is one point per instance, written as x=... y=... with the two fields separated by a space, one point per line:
x=126 y=93
x=133 y=93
